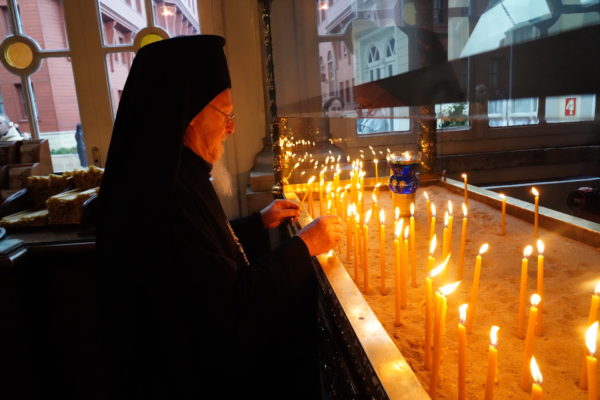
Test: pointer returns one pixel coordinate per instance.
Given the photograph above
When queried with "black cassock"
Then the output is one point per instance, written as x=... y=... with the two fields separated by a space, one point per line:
x=183 y=314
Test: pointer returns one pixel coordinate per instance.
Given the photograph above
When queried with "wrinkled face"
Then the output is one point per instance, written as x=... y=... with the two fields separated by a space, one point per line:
x=3 y=126
x=211 y=127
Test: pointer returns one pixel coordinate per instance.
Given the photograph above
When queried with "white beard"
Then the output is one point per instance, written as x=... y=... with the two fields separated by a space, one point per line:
x=221 y=180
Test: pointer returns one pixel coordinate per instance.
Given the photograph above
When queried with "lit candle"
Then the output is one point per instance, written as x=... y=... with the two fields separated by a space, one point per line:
x=413 y=246
x=427 y=206
x=397 y=276
x=382 y=260
x=357 y=246
x=591 y=362
x=349 y=222
x=539 y=327
x=445 y=244
x=404 y=267
x=592 y=316
x=431 y=258
x=311 y=208
x=463 y=242
x=533 y=311
x=429 y=311
x=376 y=162
x=536 y=214
x=475 y=288
x=503 y=217
x=537 y=393
x=432 y=223
x=450 y=224
x=374 y=206
x=523 y=292
x=365 y=262
x=439 y=331
x=490 y=381
x=396 y=214
x=466 y=201
x=462 y=351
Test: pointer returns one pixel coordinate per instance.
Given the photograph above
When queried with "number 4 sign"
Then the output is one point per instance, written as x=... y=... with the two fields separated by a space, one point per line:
x=570 y=106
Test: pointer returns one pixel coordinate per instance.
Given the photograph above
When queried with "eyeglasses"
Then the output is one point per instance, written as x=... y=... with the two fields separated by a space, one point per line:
x=228 y=117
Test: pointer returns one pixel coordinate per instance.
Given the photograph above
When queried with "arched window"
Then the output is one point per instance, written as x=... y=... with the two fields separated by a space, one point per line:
x=373 y=55
x=390 y=48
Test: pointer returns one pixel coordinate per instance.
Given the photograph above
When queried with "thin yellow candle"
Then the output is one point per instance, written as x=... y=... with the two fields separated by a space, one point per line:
x=536 y=213
x=432 y=222
x=397 y=276
x=357 y=246
x=382 y=260
x=361 y=204
x=592 y=316
x=523 y=292
x=349 y=222
x=431 y=258
x=537 y=393
x=591 y=361
x=374 y=206
x=396 y=214
x=463 y=242
x=365 y=255
x=533 y=311
x=475 y=288
x=462 y=351
x=404 y=267
x=539 y=327
x=503 y=216
x=413 y=246
x=376 y=162
x=427 y=206
x=311 y=208
x=445 y=244
x=439 y=331
x=450 y=224
x=429 y=309
x=492 y=366
x=466 y=190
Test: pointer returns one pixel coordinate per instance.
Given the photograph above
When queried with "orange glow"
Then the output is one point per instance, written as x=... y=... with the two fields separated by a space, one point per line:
x=446 y=290
x=406 y=230
x=590 y=338
x=398 y=228
x=432 y=245
x=527 y=251
x=367 y=217
x=438 y=270
x=597 y=289
x=450 y=207
x=536 y=374
x=484 y=247
x=462 y=313
x=432 y=210
x=382 y=216
x=426 y=195
x=446 y=219
x=397 y=213
x=464 y=176
x=535 y=299
x=535 y=192
x=412 y=209
x=310 y=180
x=540 y=247
x=464 y=209
x=502 y=196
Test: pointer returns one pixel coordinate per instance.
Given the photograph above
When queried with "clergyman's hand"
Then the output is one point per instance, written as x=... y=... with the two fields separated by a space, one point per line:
x=321 y=234
x=278 y=211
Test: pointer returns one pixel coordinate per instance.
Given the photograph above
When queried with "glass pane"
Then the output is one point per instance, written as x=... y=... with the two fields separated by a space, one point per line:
x=44 y=21
x=571 y=108
x=452 y=115
x=513 y=112
x=120 y=20
x=117 y=68
x=177 y=18
x=58 y=112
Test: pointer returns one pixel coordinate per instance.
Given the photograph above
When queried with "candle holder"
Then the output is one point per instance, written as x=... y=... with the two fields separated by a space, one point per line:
x=404 y=179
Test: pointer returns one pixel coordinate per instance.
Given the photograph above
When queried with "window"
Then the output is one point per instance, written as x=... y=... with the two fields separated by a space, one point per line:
x=22 y=113
x=390 y=48
x=513 y=112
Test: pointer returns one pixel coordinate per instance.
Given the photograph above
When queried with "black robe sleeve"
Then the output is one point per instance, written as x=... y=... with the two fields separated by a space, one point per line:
x=252 y=234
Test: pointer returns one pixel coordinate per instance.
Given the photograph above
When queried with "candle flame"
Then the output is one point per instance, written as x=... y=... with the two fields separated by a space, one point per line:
x=367 y=217
x=540 y=246
x=536 y=374
x=406 y=230
x=484 y=247
x=310 y=180
x=432 y=245
x=590 y=338
x=328 y=188
x=534 y=191
x=462 y=313
x=438 y=270
x=375 y=160
x=347 y=186
x=502 y=196
x=329 y=205
x=527 y=251
x=494 y=335
x=446 y=290
x=398 y=228
x=426 y=195
x=464 y=176
x=376 y=186
x=464 y=210
x=357 y=217
x=351 y=208
x=535 y=299
x=450 y=207
x=432 y=210
x=374 y=198
x=597 y=289
x=330 y=253
x=397 y=213
x=382 y=216
x=446 y=219
x=412 y=209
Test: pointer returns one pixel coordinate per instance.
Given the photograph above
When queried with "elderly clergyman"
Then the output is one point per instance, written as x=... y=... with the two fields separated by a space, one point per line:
x=193 y=305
